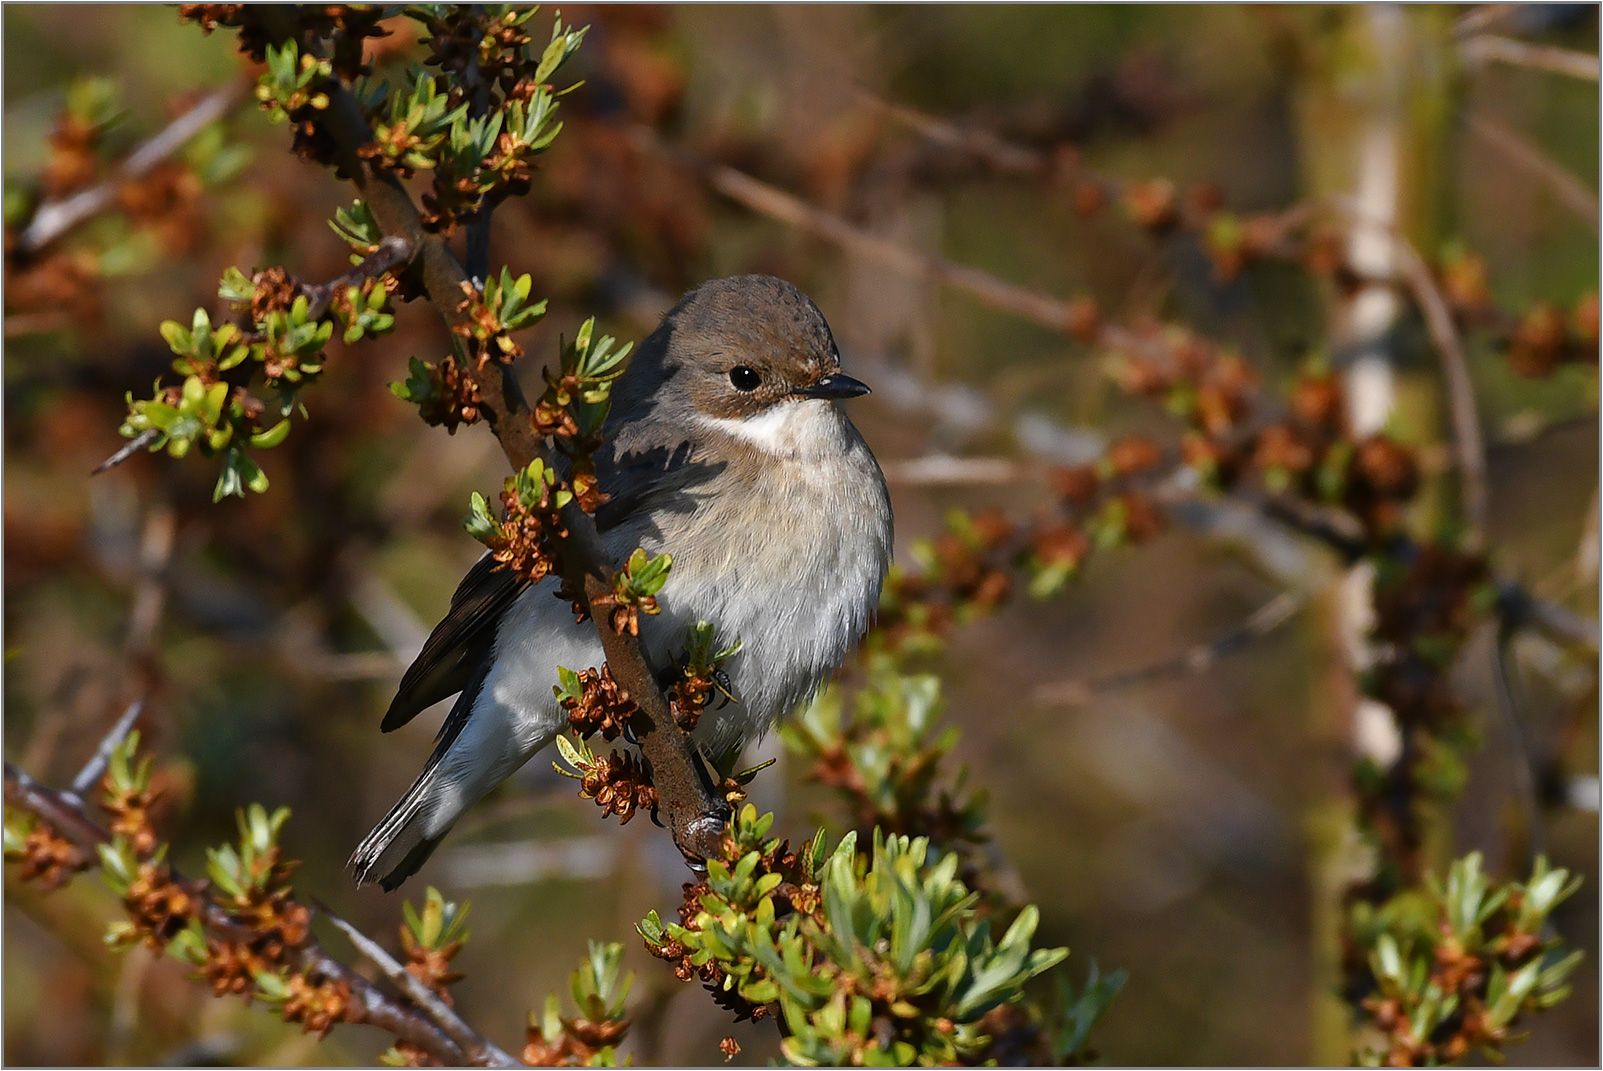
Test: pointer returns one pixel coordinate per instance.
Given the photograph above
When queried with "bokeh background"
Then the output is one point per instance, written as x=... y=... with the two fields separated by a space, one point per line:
x=1168 y=827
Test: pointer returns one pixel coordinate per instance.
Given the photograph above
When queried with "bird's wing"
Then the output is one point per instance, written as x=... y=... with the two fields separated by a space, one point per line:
x=458 y=644
x=652 y=482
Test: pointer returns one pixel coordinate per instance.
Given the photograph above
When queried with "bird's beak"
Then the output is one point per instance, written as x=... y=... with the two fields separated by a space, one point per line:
x=833 y=386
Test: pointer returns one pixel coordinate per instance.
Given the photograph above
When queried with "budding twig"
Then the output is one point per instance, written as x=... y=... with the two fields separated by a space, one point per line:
x=479 y=1051
x=65 y=812
x=391 y=253
x=56 y=218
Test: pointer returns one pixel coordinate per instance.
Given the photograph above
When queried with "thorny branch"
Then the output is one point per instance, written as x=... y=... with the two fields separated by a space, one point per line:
x=694 y=814
x=56 y=218
x=66 y=813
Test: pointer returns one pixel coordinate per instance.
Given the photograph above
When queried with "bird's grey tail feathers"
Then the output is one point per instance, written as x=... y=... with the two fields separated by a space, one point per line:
x=398 y=845
x=402 y=840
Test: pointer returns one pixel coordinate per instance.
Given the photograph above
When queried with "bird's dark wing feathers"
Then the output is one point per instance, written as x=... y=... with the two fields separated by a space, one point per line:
x=458 y=643
x=458 y=650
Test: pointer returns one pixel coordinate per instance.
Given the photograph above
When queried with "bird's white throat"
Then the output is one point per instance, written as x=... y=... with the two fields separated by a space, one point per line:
x=799 y=428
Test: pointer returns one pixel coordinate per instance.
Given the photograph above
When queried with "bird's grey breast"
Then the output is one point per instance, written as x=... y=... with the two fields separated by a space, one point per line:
x=786 y=554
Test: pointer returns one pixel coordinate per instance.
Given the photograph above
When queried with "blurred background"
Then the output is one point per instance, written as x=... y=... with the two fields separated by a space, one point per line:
x=1167 y=826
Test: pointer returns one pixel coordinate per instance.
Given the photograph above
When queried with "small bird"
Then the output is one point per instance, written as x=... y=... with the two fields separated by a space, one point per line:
x=726 y=448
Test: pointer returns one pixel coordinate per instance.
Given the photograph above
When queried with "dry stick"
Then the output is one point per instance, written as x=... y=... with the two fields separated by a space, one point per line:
x=1570 y=191
x=95 y=768
x=1199 y=659
x=695 y=814
x=1467 y=443
x=760 y=197
x=1002 y=155
x=56 y=218
x=477 y=1050
x=66 y=815
x=1548 y=58
x=1481 y=18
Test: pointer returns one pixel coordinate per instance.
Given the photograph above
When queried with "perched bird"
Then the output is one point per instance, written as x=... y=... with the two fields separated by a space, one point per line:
x=727 y=448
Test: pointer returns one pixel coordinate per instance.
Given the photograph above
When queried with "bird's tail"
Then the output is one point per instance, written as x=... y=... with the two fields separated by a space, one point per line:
x=405 y=837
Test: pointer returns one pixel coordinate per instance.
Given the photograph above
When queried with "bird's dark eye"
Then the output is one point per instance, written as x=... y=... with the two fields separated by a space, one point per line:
x=744 y=378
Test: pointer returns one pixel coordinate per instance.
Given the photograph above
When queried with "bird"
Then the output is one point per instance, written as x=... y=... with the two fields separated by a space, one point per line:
x=727 y=447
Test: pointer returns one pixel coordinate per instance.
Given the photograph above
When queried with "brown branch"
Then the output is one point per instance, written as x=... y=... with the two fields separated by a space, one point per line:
x=1200 y=658
x=477 y=1050
x=694 y=812
x=1481 y=18
x=391 y=253
x=1570 y=191
x=65 y=813
x=1004 y=156
x=1467 y=442
x=56 y=218
x=1033 y=305
x=1550 y=58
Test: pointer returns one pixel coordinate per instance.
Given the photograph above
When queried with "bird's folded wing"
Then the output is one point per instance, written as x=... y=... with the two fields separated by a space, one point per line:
x=458 y=643
x=656 y=482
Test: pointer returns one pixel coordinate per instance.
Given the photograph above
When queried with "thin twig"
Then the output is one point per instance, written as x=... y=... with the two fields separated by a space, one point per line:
x=1550 y=58
x=392 y=252
x=1467 y=442
x=1570 y=191
x=1521 y=607
x=478 y=1051
x=1482 y=18
x=1032 y=305
x=95 y=768
x=1004 y=156
x=1524 y=772
x=1200 y=658
x=127 y=450
x=56 y=218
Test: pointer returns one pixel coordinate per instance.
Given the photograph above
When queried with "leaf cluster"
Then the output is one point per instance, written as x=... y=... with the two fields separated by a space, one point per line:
x=1454 y=966
x=875 y=959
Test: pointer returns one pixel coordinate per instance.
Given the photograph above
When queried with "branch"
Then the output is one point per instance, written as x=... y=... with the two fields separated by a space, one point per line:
x=477 y=1050
x=694 y=812
x=1033 y=305
x=65 y=813
x=56 y=218
x=1570 y=191
x=1200 y=658
x=1467 y=443
x=95 y=768
x=391 y=253
x=1550 y=58
x=1519 y=606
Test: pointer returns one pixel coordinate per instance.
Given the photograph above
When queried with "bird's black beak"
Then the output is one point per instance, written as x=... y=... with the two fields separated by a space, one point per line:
x=833 y=386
